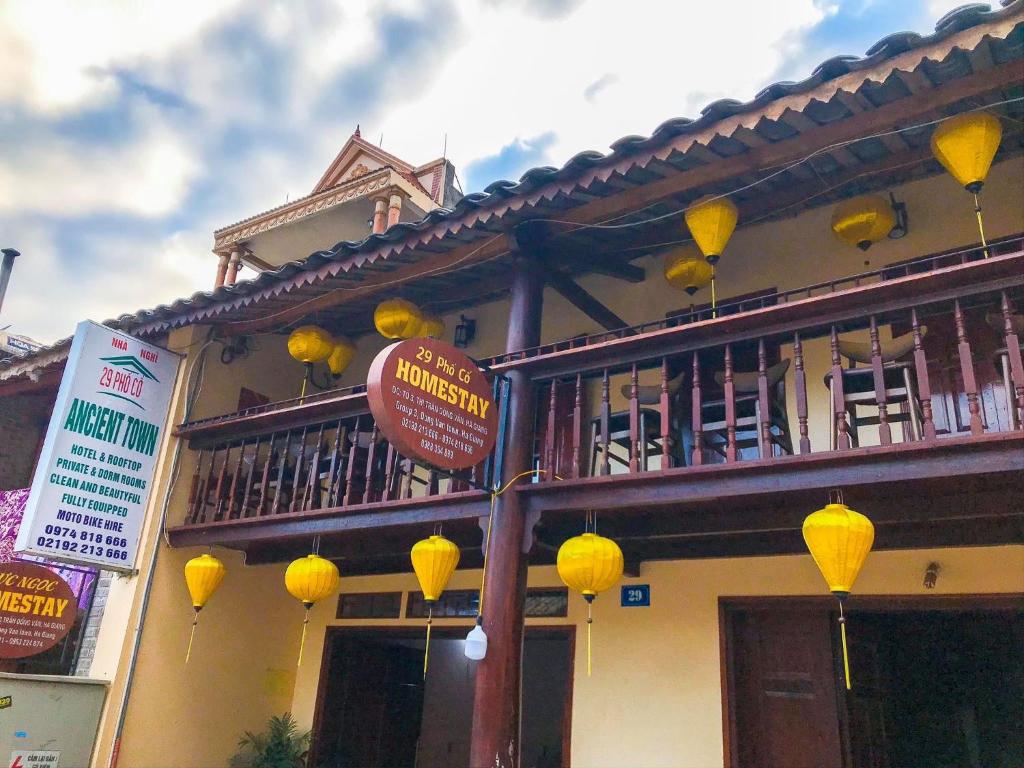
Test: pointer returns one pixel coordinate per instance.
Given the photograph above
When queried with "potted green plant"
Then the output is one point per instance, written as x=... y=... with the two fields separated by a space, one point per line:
x=280 y=745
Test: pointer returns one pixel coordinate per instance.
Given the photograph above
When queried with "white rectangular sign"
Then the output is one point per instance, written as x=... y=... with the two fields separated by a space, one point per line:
x=92 y=482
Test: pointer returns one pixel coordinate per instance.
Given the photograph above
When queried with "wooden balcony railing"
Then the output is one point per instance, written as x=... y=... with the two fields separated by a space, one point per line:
x=910 y=353
x=915 y=353
x=319 y=453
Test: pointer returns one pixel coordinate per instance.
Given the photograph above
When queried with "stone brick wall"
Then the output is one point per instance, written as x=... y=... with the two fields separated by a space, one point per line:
x=92 y=625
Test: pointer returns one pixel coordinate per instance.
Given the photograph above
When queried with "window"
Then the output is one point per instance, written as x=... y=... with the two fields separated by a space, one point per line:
x=370 y=605
x=462 y=603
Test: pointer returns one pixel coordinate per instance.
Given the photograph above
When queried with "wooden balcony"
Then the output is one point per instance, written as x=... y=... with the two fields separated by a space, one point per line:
x=699 y=434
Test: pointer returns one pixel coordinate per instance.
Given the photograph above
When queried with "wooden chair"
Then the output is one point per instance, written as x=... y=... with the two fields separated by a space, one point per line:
x=715 y=429
x=859 y=388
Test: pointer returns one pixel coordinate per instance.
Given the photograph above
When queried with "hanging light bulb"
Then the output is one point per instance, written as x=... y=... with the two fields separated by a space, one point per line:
x=966 y=146
x=397 y=319
x=341 y=356
x=476 y=642
x=589 y=564
x=686 y=270
x=434 y=560
x=863 y=220
x=309 y=580
x=309 y=344
x=839 y=540
x=203 y=575
x=711 y=221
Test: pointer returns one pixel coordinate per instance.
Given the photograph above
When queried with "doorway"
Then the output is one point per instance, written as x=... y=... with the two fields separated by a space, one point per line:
x=375 y=709
x=937 y=683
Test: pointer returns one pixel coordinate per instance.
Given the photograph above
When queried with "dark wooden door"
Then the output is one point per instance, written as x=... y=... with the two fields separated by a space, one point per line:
x=869 y=703
x=783 y=677
x=373 y=705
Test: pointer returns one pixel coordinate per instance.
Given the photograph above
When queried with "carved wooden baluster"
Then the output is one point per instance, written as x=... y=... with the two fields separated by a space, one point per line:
x=390 y=461
x=697 y=416
x=801 y=393
x=281 y=465
x=666 y=419
x=577 y=427
x=198 y=487
x=350 y=473
x=1016 y=364
x=408 y=468
x=371 y=457
x=878 y=375
x=924 y=387
x=606 y=413
x=221 y=479
x=549 y=433
x=230 y=513
x=730 y=407
x=297 y=484
x=967 y=370
x=243 y=510
x=838 y=395
x=763 y=404
x=310 y=494
x=634 y=421
x=333 y=474
x=265 y=480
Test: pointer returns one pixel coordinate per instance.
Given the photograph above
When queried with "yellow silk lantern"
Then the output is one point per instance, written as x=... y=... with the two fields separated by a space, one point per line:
x=432 y=327
x=966 y=145
x=341 y=356
x=309 y=344
x=839 y=540
x=203 y=575
x=711 y=221
x=687 y=271
x=863 y=220
x=434 y=560
x=397 y=319
x=309 y=580
x=589 y=564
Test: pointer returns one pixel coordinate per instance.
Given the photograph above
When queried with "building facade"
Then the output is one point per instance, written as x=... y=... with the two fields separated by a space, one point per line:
x=698 y=437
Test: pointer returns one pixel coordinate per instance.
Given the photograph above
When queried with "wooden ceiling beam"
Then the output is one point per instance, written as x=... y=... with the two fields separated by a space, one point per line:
x=585 y=302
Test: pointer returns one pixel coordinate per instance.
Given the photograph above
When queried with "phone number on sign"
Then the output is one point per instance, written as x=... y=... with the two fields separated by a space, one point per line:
x=60 y=539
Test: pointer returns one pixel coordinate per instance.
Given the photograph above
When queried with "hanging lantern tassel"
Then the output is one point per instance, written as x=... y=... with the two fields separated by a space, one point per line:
x=309 y=580
x=434 y=560
x=203 y=575
x=590 y=564
x=839 y=540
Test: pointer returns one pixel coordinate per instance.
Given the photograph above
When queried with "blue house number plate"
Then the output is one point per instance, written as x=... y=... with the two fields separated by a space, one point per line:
x=636 y=595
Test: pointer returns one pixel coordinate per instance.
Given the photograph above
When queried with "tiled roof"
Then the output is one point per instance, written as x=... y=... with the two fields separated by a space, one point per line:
x=475 y=215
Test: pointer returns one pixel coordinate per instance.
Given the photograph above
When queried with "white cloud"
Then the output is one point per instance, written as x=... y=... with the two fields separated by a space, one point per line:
x=110 y=275
x=147 y=177
x=56 y=47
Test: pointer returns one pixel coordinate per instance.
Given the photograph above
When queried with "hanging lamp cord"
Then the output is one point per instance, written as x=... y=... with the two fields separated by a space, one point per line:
x=495 y=493
x=426 y=650
x=305 y=627
x=192 y=635
x=846 y=653
x=981 y=225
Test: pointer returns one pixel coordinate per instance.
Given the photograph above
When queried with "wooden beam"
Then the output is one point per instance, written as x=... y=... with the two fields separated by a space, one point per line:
x=585 y=302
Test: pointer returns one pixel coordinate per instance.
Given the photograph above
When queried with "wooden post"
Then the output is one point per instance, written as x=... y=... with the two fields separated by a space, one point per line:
x=496 y=727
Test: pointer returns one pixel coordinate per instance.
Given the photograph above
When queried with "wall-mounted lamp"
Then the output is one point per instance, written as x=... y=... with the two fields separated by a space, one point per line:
x=465 y=332
x=901 y=226
x=931 y=575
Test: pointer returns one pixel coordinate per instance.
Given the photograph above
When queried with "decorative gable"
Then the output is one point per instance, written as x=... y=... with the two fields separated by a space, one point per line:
x=358 y=158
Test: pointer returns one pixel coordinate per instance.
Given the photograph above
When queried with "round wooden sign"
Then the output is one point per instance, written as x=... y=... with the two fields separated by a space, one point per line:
x=432 y=403
x=37 y=608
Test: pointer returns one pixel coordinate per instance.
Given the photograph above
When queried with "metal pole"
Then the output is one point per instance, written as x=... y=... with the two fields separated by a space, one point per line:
x=5 y=271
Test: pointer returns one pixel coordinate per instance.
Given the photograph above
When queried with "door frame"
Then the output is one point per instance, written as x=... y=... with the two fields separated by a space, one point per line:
x=729 y=606
x=445 y=632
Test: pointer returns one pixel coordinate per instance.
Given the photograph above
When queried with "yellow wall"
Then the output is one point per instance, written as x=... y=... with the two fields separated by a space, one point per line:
x=654 y=699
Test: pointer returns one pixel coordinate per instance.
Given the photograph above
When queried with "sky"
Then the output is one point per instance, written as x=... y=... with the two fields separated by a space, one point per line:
x=130 y=131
